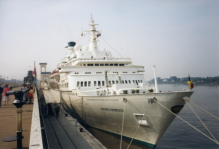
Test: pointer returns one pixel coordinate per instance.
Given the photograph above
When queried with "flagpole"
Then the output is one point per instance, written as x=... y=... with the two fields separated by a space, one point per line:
x=155 y=80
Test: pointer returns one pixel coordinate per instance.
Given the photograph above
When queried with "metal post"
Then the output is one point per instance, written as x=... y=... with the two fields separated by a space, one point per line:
x=155 y=80
x=19 y=128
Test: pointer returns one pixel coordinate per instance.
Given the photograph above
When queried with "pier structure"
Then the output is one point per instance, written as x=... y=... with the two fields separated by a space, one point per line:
x=45 y=79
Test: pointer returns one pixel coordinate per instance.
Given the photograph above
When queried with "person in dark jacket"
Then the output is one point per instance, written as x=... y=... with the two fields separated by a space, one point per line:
x=1 y=91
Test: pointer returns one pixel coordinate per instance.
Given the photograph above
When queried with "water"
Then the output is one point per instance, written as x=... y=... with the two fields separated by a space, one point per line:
x=179 y=135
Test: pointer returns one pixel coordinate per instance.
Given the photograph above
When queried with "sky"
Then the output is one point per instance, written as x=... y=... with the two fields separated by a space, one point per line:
x=179 y=37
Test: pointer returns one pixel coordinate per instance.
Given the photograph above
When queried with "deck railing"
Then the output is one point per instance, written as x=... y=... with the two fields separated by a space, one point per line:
x=93 y=59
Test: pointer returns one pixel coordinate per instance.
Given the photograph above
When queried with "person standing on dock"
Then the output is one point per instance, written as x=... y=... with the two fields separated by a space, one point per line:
x=6 y=96
x=1 y=91
x=27 y=92
x=24 y=95
x=30 y=95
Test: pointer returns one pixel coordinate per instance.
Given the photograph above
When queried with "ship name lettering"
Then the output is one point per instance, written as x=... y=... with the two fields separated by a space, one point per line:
x=114 y=110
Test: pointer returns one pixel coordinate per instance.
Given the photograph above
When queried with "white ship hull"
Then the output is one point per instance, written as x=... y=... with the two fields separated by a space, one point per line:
x=106 y=112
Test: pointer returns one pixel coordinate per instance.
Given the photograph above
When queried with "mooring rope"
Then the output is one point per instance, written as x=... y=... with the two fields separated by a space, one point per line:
x=187 y=123
x=121 y=55
x=80 y=39
x=122 y=126
x=201 y=120
x=139 y=125
x=204 y=110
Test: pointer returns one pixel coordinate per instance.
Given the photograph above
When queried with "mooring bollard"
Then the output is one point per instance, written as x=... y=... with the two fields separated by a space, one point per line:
x=18 y=103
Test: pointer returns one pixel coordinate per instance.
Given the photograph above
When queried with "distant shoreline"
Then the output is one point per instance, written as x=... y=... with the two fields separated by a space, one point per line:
x=195 y=84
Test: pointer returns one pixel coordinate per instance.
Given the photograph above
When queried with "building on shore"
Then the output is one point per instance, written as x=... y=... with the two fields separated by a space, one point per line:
x=30 y=79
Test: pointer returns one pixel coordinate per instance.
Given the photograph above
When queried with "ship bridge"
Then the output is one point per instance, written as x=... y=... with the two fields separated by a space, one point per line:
x=96 y=72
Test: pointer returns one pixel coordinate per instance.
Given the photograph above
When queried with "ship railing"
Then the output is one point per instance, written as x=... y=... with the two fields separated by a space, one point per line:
x=92 y=90
x=97 y=59
x=93 y=59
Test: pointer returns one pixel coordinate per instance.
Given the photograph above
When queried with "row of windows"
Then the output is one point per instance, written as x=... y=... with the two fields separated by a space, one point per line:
x=102 y=83
x=83 y=83
x=107 y=64
x=101 y=72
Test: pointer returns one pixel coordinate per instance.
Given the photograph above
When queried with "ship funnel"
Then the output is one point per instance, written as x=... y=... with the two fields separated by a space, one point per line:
x=71 y=44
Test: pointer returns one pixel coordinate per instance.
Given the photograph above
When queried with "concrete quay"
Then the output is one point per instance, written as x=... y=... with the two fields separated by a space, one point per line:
x=43 y=132
x=8 y=123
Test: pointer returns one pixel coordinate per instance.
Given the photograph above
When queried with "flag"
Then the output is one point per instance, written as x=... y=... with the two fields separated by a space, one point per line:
x=35 y=74
x=191 y=86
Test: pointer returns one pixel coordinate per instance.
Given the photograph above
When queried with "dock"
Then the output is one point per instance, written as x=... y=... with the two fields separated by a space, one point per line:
x=44 y=131
x=8 y=123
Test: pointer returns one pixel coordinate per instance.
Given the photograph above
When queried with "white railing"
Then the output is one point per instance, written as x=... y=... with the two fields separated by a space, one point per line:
x=93 y=59
x=35 y=132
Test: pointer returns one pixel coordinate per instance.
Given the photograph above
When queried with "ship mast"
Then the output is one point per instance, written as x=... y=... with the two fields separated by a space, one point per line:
x=93 y=39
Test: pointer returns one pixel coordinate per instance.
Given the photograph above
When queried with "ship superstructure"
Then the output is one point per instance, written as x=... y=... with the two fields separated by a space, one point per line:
x=94 y=87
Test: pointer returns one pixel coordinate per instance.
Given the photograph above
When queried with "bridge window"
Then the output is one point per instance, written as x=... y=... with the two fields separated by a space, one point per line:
x=106 y=64
x=121 y=64
x=99 y=83
x=113 y=82
x=95 y=83
x=133 y=81
x=126 y=82
x=102 y=83
x=109 y=82
x=81 y=83
x=96 y=64
x=85 y=83
x=89 y=83
x=87 y=72
x=117 y=82
x=115 y=64
x=111 y=64
x=129 y=81
x=125 y=72
x=136 y=82
x=78 y=84
x=98 y=72
x=76 y=73
x=101 y=64
x=122 y=81
x=90 y=64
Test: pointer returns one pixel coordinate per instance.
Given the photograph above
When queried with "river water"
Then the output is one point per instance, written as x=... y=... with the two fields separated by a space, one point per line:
x=179 y=135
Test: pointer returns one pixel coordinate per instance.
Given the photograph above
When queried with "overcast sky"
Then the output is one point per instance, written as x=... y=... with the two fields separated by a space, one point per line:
x=179 y=37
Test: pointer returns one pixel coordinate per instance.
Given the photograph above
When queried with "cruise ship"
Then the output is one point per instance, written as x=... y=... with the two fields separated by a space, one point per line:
x=110 y=93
